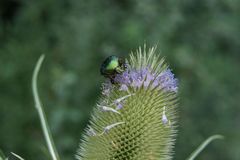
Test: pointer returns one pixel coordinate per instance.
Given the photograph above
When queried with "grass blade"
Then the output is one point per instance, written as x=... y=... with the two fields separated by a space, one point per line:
x=203 y=145
x=38 y=105
x=19 y=157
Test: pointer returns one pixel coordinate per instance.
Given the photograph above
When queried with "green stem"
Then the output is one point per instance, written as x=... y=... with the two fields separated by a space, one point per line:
x=44 y=124
x=203 y=145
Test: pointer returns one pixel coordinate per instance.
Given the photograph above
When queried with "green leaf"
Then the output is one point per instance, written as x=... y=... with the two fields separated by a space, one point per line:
x=2 y=156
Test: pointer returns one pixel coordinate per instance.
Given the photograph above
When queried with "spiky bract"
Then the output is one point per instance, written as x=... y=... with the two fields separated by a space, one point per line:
x=135 y=118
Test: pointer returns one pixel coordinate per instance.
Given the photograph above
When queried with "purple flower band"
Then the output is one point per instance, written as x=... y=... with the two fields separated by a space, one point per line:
x=136 y=78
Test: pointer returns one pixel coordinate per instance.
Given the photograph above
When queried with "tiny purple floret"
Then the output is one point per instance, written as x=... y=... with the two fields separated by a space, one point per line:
x=119 y=106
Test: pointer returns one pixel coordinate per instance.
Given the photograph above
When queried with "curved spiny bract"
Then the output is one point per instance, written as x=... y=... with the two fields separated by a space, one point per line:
x=135 y=118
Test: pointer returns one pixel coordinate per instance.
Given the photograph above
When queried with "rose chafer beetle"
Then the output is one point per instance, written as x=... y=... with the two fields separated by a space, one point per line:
x=112 y=66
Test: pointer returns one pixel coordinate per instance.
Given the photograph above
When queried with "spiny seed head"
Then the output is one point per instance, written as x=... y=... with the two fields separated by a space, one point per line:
x=135 y=118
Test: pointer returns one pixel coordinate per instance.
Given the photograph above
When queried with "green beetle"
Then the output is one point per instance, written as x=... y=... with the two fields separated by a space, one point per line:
x=111 y=66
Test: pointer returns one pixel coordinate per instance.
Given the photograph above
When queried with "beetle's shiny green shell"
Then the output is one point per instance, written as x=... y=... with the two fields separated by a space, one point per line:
x=111 y=66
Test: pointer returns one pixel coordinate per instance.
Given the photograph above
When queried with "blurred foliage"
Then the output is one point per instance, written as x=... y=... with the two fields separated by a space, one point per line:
x=200 y=39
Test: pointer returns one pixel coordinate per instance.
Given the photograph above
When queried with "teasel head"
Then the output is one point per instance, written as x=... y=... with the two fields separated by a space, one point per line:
x=136 y=115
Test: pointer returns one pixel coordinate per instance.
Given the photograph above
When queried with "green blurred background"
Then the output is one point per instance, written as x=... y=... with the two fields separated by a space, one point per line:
x=200 y=40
